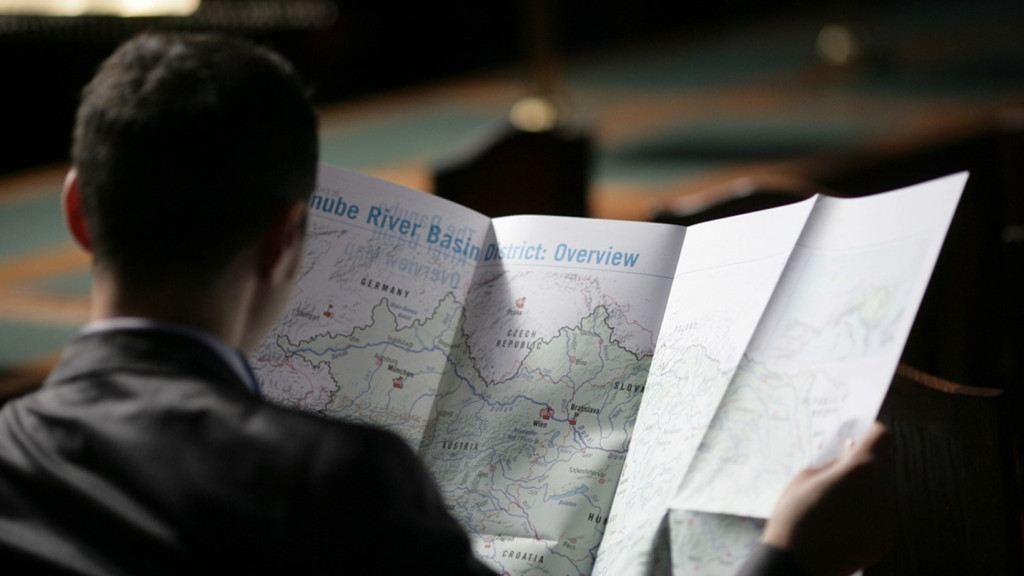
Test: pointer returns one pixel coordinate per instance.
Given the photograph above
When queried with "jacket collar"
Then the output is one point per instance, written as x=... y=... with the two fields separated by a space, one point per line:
x=152 y=349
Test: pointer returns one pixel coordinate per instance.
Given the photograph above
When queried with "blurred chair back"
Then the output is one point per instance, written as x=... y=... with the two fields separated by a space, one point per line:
x=512 y=171
x=957 y=508
x=740 y=197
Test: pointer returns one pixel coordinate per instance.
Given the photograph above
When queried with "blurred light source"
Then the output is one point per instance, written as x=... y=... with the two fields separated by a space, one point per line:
x=128 y=8
x=534 y=114
x=839 y=45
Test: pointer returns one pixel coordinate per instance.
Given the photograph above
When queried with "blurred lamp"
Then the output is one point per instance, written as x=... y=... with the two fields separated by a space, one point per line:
x=99 y=7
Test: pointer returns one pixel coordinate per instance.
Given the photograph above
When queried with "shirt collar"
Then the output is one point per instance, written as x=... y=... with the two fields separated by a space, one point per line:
x=234 y=358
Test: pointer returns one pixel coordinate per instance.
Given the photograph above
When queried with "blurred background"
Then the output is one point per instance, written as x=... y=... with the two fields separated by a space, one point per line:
x=639 y=110
x=345 y=49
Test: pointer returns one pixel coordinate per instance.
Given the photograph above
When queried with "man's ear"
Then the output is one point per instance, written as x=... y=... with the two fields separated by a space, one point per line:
x=74 y=216
x=283 y=247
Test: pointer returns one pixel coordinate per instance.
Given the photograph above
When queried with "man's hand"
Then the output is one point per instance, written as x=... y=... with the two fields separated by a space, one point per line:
x=838 y=518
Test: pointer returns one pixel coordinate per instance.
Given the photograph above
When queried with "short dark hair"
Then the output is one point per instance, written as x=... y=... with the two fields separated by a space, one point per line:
x=187 y=145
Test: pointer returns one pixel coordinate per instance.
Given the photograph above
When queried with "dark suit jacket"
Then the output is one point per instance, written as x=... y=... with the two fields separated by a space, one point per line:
x=143 y=453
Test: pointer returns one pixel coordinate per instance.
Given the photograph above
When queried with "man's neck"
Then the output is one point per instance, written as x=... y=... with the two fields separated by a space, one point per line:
x=219 y=309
